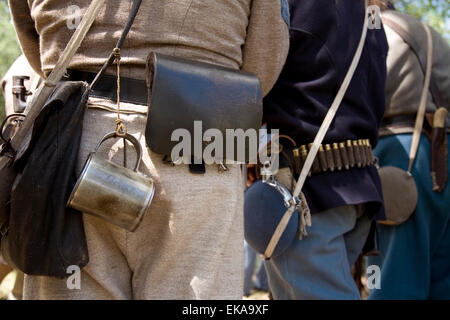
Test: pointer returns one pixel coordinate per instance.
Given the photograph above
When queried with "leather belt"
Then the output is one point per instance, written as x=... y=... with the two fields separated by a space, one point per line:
x=401 y=124
x=131 y=90
x=336 y=156
x=400 y=120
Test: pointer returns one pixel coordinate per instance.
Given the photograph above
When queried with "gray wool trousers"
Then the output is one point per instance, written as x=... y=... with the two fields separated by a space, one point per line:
x=189 y=244
x=319 y=266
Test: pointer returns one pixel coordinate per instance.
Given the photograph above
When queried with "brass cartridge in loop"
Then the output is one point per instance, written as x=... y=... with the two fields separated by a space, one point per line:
x=350 y=153
x=337 y=156
x=330 y=159
x=316 y=164
x=322 y=159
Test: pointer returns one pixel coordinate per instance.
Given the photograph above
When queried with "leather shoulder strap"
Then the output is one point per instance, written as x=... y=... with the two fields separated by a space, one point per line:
x=421 y=56
x=131 y=17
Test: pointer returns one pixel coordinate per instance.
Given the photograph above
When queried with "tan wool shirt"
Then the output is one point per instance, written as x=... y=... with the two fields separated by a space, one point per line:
x=190 y=243
x=405 y=77
x=242 y=34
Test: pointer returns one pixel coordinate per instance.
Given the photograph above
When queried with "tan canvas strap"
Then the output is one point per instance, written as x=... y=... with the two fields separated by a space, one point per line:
x=423 y=101
x=317 y=142
x=74 y=43
x=21 y=139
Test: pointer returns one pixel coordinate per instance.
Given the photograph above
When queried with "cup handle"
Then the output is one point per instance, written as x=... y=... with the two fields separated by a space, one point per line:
x=130 y=138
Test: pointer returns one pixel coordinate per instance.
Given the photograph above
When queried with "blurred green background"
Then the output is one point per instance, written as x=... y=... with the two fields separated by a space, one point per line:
x=435 y=12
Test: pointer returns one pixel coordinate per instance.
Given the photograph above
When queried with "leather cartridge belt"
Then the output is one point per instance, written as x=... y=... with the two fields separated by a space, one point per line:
x=336 y=156
x=131 y=90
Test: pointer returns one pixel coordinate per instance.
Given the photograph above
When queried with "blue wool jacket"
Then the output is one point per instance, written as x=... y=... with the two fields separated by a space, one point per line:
x=324 y=36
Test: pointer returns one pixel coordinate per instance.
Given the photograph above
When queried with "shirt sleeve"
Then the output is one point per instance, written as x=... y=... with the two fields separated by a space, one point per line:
x=267 y=42
x=441 y=67
x=26 y=33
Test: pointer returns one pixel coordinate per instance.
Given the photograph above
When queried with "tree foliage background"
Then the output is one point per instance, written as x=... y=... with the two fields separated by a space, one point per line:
x=435 y=12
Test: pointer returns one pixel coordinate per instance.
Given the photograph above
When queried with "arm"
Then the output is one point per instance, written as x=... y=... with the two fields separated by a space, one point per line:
x=26 y=33
x=441 y=67
x=267 y=43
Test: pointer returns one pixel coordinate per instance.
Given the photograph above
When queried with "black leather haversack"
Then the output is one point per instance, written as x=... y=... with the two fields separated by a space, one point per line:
x=181 y=92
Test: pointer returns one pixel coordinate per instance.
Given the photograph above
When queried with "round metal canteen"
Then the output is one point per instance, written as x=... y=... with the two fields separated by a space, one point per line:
x=114 y=193
x=400 y=195
x=264 y=206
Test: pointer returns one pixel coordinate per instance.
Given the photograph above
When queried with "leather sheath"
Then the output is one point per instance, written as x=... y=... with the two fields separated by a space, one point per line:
x=181 y=91
x=439 y=154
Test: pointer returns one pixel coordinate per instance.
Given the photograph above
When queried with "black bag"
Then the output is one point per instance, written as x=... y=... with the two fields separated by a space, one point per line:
x=181 y=91
x=40 y=235
x=8 y=127
x=43 y=237
x=7 y=176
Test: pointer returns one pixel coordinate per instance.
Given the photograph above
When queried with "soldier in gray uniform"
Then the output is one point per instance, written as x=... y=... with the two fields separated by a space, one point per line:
x=189 y=246
x=415 y=259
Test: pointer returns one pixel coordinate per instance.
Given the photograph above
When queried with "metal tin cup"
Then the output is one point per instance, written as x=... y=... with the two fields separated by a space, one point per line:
x=114 y=193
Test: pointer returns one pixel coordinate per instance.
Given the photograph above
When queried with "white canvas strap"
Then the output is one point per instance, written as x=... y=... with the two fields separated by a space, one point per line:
x=423 y=101
x=317 y=142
